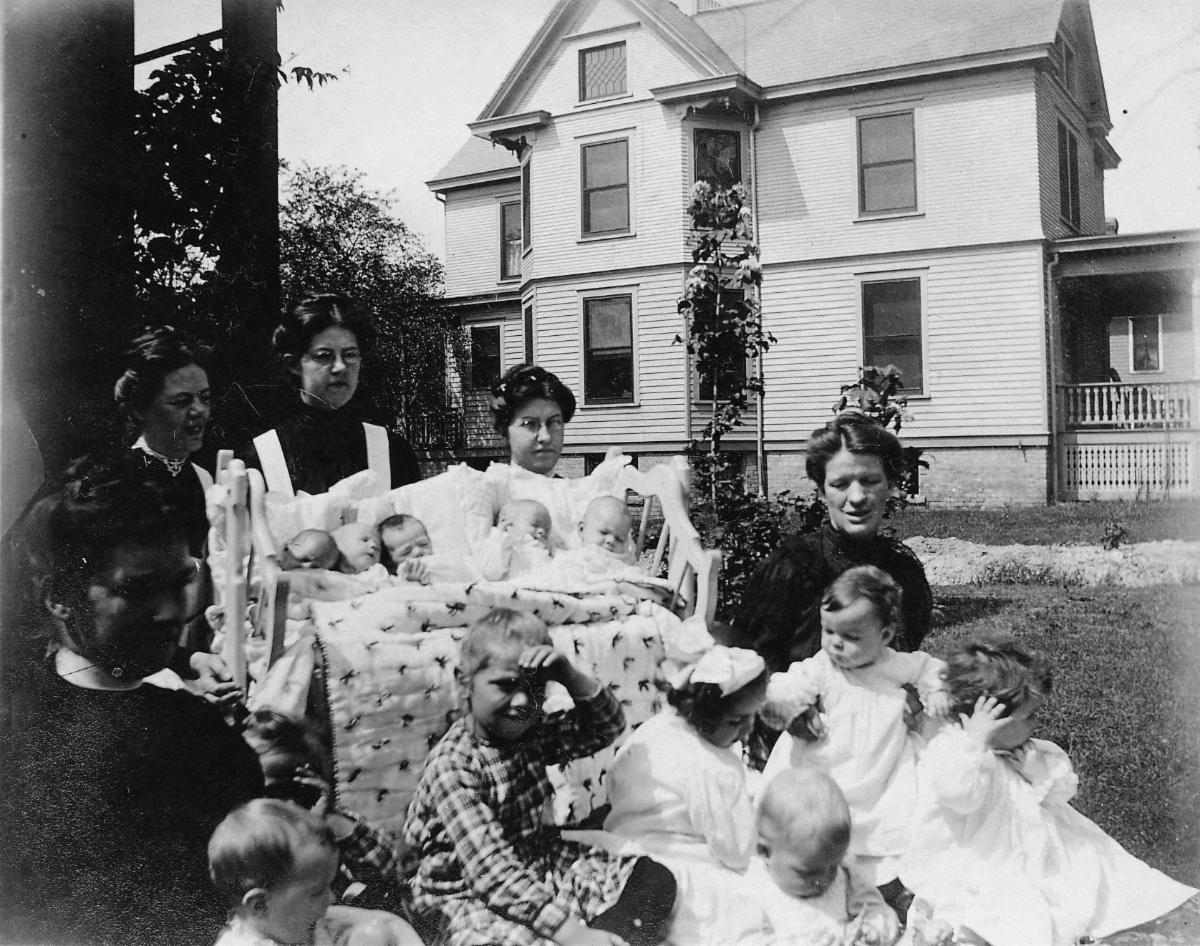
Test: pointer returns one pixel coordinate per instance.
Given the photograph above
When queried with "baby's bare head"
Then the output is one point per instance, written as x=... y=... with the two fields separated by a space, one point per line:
x=521 y=517
x=606 y=522
x=358 y=545
x=310 y=548
x=803 y=830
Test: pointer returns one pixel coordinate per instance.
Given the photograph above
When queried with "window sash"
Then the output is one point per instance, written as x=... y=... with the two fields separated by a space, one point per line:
x=602 y=71
x=486 y=360
x=605 y=187
x=510 y=240
x=1145 y=342
x=527 y=317
x=887 y=163
x=526 y=205
x=1068 y=175
x=717 y=156
x=608 y=349
x=892 y=330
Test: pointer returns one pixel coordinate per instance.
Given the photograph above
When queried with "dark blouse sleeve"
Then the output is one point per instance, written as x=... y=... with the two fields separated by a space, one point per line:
x=405 y=468
x=780 y=613
x=909 y=573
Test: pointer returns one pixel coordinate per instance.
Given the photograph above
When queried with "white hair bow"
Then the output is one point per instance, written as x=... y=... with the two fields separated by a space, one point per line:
x=730 y=668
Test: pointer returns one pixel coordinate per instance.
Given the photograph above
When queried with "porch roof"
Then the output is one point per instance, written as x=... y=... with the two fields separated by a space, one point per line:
x=1121 y=254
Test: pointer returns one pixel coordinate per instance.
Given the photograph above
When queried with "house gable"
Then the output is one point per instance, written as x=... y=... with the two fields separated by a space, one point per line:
x=545 y=75
x=1076 y=29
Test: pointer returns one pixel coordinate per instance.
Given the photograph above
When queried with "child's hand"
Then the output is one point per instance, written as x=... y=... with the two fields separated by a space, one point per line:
x=415 y=569
x=575 y=933
x=937 y=704
x=542 y=660
x=987 y=717
x=875 y=926
x=808 y=725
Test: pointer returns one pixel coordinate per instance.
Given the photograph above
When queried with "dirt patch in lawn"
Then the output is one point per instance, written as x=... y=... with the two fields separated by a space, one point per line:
x=955 y=562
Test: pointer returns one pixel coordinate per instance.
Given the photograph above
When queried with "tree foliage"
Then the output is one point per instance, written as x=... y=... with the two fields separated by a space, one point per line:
x=337 y=234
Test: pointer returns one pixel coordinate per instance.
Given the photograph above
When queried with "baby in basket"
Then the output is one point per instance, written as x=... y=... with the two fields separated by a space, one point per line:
x=519 y=543
x=344 y=563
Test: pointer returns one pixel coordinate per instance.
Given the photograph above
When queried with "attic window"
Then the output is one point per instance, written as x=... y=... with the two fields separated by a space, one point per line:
x=1066 y=64
x=602 y=71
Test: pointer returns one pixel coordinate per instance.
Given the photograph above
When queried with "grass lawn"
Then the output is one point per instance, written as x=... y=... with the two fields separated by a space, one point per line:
x=1074 y=523
x=1125 y=703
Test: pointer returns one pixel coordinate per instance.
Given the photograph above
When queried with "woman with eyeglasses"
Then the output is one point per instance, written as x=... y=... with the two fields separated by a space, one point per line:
x=110 y=786
x=326 y=433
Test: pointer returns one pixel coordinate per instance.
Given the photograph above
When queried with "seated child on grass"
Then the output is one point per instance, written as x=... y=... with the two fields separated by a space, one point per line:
x=811 y=894
x=998 y=855
x=519 y=542
x=857 y=683
x=296 y=767
x=274 y=862
x=492 y=869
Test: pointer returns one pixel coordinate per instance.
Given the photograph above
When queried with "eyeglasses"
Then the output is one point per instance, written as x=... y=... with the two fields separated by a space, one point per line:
x=326 y=357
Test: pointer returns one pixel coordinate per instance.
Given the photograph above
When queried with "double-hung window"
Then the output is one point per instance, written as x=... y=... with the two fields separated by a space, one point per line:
x=486 y=364
x=1145 y=339
x=605 y=187
x=1068 y=176
x=510 y=240
x=608 y=349
x=887 y=163
x=602 y=71
x=717 y=156
x=891 y=314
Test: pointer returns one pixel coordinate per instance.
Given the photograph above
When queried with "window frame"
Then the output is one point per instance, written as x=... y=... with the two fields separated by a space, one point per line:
x=1068 y=176
x=527 y=330
x=891 y=111
x=699 y=395
x=697 y=131
x=1067 y=64
x=499 y=327
x=1133 y=345
x=526 y=205
x=504 y=204
x=584 y=190
x=863 y=280
x=582 y=89
x=599 y=294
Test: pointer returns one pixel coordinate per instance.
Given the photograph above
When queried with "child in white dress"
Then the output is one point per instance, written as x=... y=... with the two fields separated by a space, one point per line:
x=812 y=894
x=998 y=855
x=844 y=710
x=679 y=794
x=519 y=543
x=274 y=862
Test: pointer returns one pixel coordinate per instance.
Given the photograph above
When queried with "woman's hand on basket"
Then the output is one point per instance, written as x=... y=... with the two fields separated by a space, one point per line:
x=214 y=680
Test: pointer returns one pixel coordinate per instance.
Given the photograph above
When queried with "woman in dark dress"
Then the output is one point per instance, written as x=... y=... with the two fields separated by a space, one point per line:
x=325 y=434
x=110 y=786
x=855 y=463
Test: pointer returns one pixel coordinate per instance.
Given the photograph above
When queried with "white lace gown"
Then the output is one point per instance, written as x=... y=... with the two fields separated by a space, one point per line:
x=867 y=750
x=683 y=801
x=997 y=848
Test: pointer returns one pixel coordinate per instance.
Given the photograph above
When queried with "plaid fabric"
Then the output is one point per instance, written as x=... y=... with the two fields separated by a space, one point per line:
x=491 y=862
x=372 y=856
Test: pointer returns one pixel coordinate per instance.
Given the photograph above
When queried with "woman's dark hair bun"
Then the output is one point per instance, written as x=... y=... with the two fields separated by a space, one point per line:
x=523 y=383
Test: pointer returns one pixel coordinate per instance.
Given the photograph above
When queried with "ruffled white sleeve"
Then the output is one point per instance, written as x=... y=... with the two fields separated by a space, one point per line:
x=791 y=692
x=493 y=555
x=957 y=770
x=1047 y=767
x=721 y=811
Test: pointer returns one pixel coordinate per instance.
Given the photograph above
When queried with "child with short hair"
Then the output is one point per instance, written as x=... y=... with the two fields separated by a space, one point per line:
x=274 y=862
x=491 y=866
x=519 y=543
x=811 y=893
x=998 y=855
x=847 y=707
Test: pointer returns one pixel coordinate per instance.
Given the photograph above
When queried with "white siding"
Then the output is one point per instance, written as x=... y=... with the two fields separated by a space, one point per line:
x=976 y=156
x=1175 y=351
x=1054 y=105
x=477 y=418
x=473 y=238
x=984 y=355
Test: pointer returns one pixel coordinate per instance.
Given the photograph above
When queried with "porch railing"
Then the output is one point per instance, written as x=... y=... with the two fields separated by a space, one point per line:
x=433 y=429
x=1122 y=406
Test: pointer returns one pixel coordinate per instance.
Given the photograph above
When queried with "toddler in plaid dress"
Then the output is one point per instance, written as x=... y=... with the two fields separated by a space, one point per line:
x=493 y=870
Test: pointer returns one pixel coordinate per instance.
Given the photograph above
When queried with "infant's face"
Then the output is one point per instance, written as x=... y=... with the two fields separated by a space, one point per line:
x=800 y=870
x=606 y=527
x=854 y=636
x=407 y=541
x=310 y=549
x=359 y=546
x=527 y=522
